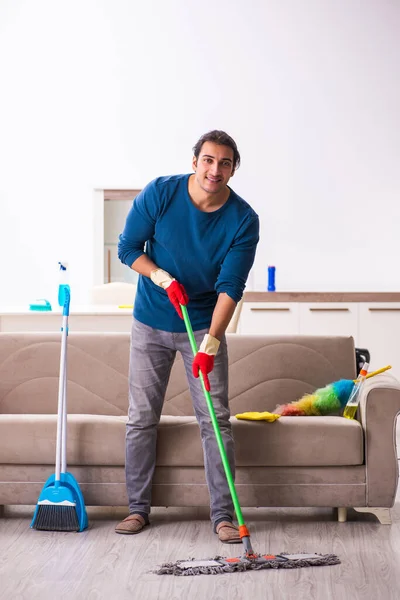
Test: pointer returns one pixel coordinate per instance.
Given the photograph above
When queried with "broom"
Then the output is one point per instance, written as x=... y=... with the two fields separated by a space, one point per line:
x=250 y=560
x=60 y=506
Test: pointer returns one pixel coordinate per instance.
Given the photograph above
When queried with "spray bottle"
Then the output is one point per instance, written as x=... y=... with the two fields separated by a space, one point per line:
x=63 y=283
x=354 y=399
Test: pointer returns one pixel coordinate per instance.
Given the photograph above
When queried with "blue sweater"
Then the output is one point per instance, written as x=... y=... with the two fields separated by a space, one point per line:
x=207 y=252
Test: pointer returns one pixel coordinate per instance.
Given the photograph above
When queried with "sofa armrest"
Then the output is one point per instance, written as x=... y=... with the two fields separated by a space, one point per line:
x=378 y=409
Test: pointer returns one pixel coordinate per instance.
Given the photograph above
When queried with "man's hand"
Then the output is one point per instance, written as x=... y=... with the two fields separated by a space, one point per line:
x=177 y=296
x=175 y=290
x=204 y=359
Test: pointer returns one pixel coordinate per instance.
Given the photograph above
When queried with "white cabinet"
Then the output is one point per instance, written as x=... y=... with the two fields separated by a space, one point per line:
x=269 y=318
x=379 y=331
x=327 y=318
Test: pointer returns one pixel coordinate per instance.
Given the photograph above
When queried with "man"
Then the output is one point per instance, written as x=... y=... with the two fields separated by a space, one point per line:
x=201 y=239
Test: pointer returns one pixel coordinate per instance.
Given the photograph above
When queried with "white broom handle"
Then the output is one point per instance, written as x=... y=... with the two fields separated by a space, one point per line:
x=61 y=398
x=65 y=412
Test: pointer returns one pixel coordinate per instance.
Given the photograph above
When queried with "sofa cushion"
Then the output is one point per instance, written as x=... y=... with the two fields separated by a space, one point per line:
x=100 y=440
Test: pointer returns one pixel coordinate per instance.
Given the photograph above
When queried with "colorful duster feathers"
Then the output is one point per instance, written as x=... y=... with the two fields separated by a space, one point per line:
x=324 y=401
x=328 y=400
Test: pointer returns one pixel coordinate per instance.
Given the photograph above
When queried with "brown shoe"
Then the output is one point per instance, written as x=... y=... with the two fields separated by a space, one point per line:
x=228 y=533
x=132 y=524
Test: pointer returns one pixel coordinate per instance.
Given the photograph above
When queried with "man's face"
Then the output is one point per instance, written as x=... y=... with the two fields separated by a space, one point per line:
x=214 y=167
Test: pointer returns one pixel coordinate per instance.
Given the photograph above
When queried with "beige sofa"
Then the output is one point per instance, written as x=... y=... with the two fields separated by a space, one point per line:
x=295 y=461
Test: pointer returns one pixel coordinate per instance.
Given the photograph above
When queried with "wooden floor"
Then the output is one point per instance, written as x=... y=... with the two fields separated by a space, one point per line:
x=99 y=564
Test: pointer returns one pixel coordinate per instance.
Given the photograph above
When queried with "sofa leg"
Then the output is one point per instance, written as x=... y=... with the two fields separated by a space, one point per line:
x=383 y=514
x=342 y=515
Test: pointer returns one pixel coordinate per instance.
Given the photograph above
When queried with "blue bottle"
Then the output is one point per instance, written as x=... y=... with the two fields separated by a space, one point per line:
x=271 y=279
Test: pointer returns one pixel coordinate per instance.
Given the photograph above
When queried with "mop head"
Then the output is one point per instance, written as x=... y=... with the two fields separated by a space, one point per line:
x=220 y=565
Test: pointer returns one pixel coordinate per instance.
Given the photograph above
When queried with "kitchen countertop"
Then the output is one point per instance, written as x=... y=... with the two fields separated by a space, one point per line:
x=89 y=309
x=321 y=296
x=251 y=296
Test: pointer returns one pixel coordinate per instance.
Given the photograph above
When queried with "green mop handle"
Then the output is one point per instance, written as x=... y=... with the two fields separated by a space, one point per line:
x=244 y=533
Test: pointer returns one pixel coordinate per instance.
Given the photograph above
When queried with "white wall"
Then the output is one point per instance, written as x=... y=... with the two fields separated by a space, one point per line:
x=113 y=93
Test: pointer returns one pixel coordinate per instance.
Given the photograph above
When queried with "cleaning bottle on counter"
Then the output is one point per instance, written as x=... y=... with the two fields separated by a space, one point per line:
x=63 y=282
x=271 y=279
x=354 y=399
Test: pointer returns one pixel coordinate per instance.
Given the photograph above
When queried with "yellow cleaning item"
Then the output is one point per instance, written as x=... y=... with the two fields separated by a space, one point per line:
x=258 y=416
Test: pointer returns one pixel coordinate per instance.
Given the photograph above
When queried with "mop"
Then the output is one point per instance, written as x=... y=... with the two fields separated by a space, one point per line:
x=61 y=506
x=250 y=560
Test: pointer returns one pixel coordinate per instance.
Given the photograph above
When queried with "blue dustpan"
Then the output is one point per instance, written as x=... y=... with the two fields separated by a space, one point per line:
x=64 y=493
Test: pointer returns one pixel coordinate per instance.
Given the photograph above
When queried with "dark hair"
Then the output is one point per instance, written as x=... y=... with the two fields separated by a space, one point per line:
x=222 y=139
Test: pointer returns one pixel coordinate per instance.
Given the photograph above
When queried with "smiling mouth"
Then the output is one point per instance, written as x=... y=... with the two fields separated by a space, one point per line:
x=213 y=180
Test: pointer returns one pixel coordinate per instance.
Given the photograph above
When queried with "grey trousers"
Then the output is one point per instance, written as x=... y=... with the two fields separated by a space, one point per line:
x=152 y=354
